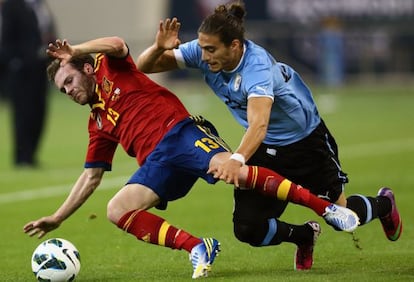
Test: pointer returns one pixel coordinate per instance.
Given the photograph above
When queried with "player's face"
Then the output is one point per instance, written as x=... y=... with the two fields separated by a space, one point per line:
x=79 y=86
x=217 y=55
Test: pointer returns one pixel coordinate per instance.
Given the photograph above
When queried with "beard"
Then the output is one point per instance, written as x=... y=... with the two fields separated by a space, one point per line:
x=87 y=91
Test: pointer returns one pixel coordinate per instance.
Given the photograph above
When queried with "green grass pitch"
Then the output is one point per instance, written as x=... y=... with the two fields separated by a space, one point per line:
x=373 y=126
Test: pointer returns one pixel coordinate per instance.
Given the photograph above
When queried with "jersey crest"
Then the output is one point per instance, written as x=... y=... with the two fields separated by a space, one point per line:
x=107 y=85
x=237 y=82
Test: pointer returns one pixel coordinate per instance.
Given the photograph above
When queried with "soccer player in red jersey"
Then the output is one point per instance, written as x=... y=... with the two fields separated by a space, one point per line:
x=172 y=148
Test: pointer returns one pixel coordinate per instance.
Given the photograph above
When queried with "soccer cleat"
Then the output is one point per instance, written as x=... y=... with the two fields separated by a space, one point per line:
x=304 y=253
x=391 y=223
x=341 y=218
x=202 y=256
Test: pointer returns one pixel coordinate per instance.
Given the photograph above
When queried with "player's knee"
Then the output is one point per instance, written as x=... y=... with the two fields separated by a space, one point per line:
x=247 y=233
x=112 y=211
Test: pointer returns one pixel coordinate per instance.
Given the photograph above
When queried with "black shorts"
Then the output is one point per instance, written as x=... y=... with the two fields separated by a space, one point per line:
x=312 y=162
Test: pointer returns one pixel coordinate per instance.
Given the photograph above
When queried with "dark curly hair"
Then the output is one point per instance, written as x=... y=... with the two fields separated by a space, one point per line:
x=227 y=22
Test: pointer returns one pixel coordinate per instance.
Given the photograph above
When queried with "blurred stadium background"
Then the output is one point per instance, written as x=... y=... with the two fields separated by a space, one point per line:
x=329 y=41
x=357 y=57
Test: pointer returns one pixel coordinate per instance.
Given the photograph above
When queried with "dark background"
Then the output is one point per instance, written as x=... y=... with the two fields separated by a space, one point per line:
x=330 y=41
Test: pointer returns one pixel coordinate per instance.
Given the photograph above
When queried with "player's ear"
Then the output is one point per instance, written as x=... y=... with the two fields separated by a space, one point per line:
x=236 y=44
x=88 y=68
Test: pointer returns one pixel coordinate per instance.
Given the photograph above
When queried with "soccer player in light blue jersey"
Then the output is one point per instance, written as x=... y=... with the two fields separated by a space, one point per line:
x=283 y=129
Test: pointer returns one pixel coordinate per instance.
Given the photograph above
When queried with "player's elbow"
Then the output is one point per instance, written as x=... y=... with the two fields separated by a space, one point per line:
x=142 y=66
x=94 y=177
x=259 y=130
x=262 y=131
x=116 y=46
x=118 y=43
x=94 y=182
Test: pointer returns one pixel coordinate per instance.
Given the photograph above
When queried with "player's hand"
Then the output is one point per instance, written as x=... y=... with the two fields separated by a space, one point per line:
x=41 y=226
x=229 y=172
x=167 y=35
x=61 y=50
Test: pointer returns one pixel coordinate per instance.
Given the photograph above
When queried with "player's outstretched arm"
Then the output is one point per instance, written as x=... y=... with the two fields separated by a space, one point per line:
x=62 y=50
x=86 y=184
x=159 y=56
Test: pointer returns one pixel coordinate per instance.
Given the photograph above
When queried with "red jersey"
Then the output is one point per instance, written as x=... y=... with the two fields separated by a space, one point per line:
x=131 y=110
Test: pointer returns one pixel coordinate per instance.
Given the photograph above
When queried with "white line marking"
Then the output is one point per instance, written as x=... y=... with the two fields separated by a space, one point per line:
x=345 y=152
x=52 y=191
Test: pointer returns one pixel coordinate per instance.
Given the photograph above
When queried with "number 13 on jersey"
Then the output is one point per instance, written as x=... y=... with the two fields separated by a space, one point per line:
x=207 y=144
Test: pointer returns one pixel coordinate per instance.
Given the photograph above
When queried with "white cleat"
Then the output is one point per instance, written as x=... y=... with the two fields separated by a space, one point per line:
x=202 y=257
x=341 y=218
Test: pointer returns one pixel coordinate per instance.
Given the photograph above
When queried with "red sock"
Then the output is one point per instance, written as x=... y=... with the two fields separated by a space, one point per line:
x=153 y=229
x=272 y=184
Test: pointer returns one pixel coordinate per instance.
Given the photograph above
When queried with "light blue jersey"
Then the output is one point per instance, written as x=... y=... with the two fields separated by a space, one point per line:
x=294 y=114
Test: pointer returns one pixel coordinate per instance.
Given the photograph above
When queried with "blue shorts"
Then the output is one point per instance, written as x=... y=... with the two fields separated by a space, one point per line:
x=182 y=156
